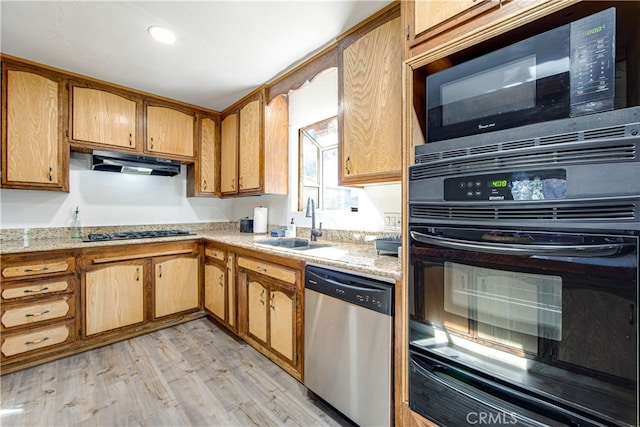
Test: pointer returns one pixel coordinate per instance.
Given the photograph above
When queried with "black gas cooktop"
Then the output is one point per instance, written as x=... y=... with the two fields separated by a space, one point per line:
x=127 y=235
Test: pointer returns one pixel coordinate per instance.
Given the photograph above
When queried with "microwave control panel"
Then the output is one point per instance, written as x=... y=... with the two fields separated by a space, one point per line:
x=593 y=63
x=522 y=185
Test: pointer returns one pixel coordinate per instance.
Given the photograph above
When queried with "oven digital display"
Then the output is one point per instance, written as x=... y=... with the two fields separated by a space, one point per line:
x=499 y=183
x=520 y=185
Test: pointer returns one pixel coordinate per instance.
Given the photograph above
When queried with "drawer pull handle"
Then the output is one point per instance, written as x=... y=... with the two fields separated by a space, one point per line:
x=261 y=269
x=130 y=139
x=35 y=270
x=262 y=299
x=42 y=289
x=36 y=341
x=205 y=184
x=160 y=271
x=138 y=274
x=50 y=173
x=273 y=307
x=36 y=314
x=221 y=280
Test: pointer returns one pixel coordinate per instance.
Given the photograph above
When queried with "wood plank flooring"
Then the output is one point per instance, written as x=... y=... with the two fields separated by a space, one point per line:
x=194 y=374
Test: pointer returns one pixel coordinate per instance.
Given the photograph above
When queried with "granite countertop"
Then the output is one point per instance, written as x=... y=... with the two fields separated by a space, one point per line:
x=355 y=257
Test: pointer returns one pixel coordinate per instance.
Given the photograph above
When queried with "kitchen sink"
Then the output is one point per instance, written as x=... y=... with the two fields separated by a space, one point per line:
x=291 y=243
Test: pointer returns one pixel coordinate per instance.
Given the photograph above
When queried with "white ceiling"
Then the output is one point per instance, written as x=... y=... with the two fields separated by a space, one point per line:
x=224 y=49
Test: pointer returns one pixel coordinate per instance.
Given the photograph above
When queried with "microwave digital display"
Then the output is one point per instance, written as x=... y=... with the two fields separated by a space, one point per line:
x=566 y=72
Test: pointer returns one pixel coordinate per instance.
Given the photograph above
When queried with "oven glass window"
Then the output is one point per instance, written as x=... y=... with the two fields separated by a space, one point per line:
x=506 y=88
x=525 y=306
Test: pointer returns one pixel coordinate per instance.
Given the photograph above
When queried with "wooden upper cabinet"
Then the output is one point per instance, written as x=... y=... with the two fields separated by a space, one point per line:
x=103 y=117
x=208 y=148
x=169 y=131
x=34 y=155
x=426 y=18
x=229 y=154
x=370 y=88
x=203 y=177
x=255 y=146
x=276 y=142
x=250 y=147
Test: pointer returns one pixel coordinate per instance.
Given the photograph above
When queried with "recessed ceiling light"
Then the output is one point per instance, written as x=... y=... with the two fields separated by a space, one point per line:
x=162 y=35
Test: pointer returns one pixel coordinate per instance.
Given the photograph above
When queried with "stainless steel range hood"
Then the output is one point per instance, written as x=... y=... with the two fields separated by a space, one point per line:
x=133 y=163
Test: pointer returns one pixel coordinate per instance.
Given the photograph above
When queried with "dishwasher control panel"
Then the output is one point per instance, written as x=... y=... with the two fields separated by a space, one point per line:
x=369 y=293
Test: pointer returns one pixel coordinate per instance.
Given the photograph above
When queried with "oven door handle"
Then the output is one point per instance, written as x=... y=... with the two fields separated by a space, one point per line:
x=597 y=250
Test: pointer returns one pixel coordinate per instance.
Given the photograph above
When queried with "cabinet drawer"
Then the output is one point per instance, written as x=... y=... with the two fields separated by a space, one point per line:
x=215 y=253
x=38 y=268
x=280 y=273
x=33 y=313
x=22 y=290
x=34 y=339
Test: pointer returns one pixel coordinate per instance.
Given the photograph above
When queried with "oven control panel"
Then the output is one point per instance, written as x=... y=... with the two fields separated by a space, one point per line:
x=521 y=185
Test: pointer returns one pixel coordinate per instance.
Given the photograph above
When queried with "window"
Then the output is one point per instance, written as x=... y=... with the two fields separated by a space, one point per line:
x=319 y=170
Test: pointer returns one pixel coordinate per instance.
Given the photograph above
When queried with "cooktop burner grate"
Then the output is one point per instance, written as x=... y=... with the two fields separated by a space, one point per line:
x=127 y=235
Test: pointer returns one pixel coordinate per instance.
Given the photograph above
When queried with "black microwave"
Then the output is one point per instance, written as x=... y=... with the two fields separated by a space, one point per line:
x=566 y=72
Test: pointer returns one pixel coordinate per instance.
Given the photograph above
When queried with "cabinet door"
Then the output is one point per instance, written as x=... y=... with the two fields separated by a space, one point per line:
x=103 y=117
x=250 y=147
x=371 y=146
x=169 y=131
x=229 y=155
x=257 y=302
x=431 y=17
x=276 y=146
x=32 y=151
x=215 y=290
x=208 y=145
x=176 y=285
x=113 y=297
x=282 y=313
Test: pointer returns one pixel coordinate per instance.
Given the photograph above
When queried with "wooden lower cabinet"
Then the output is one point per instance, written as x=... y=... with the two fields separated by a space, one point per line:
x=113 y=296
x=130 y=289
x=270 y=307
x=39 y=306
x=176 y=285
x=219 y=285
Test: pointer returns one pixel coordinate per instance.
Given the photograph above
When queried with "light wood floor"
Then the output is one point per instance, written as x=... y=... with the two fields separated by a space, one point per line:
x=192 y=374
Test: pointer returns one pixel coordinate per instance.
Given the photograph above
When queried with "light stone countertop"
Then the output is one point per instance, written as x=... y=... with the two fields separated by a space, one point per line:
x=355 y=257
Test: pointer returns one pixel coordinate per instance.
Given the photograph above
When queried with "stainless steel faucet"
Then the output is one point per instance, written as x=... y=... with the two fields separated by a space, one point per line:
x=311 y=212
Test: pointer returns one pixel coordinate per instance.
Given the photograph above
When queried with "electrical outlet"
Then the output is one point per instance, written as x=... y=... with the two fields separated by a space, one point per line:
x=392 y=221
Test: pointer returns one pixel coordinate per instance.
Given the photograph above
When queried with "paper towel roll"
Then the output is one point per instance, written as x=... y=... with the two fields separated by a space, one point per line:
x=260 y=219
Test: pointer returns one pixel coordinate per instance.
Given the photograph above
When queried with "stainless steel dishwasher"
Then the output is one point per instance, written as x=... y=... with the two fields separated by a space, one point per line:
x=347 y=343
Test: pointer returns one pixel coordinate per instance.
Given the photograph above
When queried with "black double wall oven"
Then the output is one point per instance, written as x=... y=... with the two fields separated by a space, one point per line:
x=523 y=275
